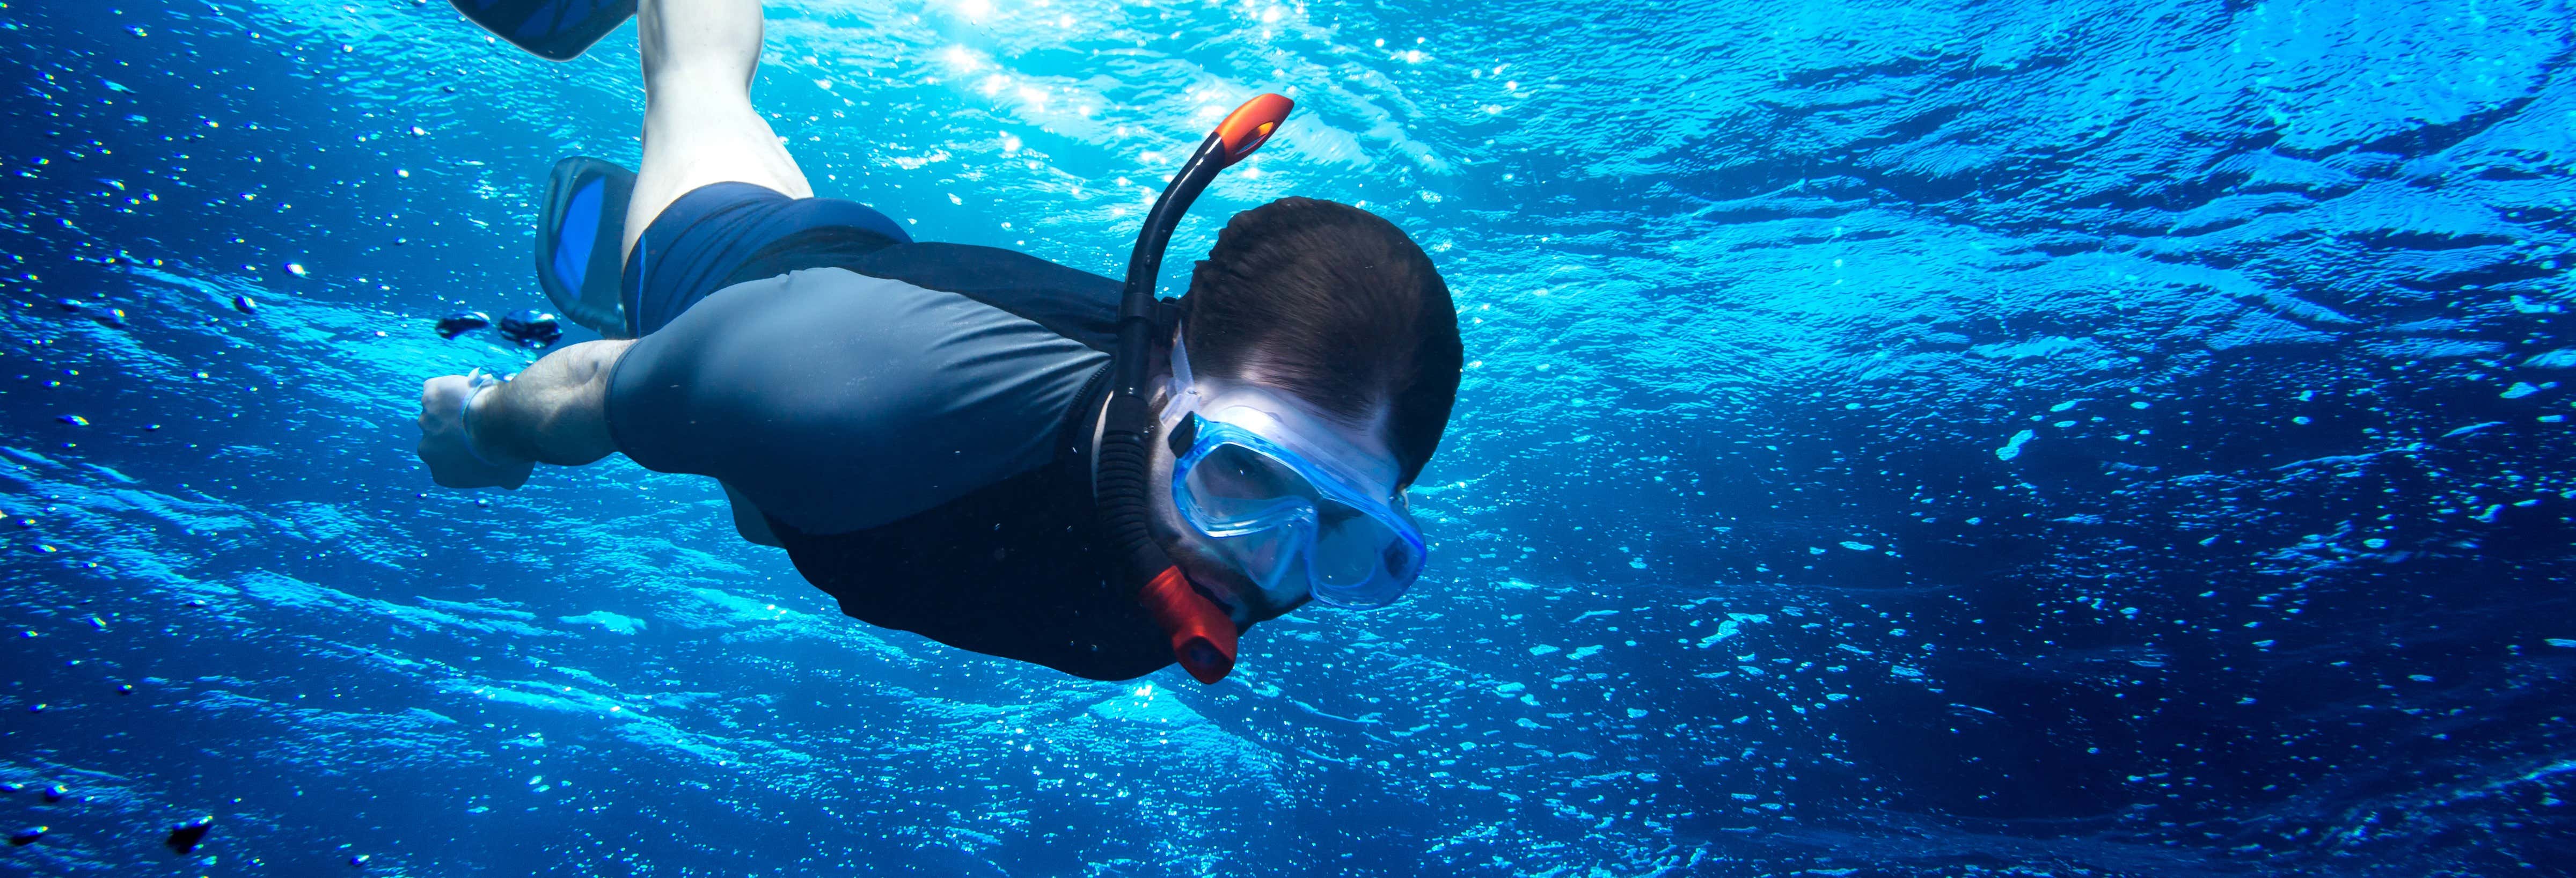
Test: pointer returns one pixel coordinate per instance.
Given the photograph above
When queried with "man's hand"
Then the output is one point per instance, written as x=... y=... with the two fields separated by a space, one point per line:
x=444 y=444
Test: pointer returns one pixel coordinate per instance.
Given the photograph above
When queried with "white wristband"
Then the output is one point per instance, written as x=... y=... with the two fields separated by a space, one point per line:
x=465 y=416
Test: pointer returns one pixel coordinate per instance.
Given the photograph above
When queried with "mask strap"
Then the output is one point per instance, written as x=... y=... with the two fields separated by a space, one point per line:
x=1185 y=392
x=1181 y=359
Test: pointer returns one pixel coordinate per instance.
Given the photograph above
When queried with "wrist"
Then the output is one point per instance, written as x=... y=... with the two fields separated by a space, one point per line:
x=465 y=422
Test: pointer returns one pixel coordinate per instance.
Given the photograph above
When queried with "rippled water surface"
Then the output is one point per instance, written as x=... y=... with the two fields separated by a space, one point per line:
x=2080 y=438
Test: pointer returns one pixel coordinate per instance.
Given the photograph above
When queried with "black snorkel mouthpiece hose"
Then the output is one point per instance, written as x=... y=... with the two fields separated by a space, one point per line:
x=1203 y=638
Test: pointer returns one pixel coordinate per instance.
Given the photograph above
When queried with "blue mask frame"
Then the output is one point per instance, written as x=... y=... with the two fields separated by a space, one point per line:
x=1254 y=540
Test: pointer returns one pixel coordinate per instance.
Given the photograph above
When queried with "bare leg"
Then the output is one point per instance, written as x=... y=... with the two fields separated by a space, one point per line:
x=699 y=125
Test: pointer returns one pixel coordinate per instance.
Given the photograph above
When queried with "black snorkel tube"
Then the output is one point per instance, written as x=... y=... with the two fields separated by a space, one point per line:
x=1203 y=638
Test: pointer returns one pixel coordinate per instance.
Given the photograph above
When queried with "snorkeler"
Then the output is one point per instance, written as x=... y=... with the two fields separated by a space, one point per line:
x=1000 y=453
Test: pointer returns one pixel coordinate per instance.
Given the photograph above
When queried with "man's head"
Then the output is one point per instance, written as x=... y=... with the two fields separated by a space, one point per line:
x=1335 y=310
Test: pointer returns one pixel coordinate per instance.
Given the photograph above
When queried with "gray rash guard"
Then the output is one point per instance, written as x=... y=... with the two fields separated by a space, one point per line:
x=835 y=401
x=915 y=421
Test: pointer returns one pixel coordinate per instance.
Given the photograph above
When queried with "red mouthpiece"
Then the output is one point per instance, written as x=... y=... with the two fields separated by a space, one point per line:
x=1202 y=636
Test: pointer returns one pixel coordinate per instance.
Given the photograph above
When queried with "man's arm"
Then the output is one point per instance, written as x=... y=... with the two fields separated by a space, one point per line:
x=493 y=434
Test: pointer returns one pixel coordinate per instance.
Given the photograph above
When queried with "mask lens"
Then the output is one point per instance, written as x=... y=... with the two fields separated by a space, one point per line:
x=1269 y=557
x=1349 y=546
x=1361 y=561
x=1235 y=485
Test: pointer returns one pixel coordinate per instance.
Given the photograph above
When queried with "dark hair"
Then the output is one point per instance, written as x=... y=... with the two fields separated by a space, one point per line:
x=1337 y=306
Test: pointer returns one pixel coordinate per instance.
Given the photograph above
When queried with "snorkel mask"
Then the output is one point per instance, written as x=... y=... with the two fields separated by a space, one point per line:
x=1283 y=494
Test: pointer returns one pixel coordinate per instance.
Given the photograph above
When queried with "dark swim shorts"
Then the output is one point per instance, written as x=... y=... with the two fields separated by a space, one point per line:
x=721 y=234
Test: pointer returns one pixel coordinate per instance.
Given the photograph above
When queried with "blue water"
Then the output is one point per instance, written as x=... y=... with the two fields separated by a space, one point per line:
x=1954 y=438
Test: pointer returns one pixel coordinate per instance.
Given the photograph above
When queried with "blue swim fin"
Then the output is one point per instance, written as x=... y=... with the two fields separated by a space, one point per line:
x=557 y=29
x=578 y=234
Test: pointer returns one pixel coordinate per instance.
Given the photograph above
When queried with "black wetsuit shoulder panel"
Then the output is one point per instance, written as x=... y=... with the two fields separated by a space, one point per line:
x=1073 y=303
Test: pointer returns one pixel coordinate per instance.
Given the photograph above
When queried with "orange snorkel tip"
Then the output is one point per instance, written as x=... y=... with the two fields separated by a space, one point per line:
x=1202 y=636
x=1251 y=125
